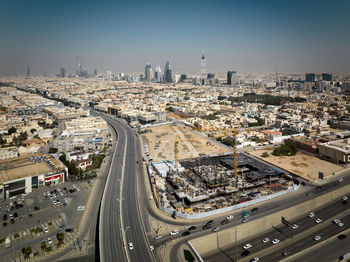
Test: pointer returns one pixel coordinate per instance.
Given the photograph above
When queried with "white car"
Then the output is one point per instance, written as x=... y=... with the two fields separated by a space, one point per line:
x=336 y=221
x=295 y=226
x=316 y=238
x=340 y=180
x=345 y=198
x=158 y=237
x=254 y=259
x=265 y=240
x=229 y=217
x=131 y=246
x=318 y=220
x=247 y=246
x=275 y=241
x=151 y=247
x=311 y=215
x=66 y=200
x=46 y=230
x=49 y=241
x=174 y=232
x=54 y=202
x=340 y=224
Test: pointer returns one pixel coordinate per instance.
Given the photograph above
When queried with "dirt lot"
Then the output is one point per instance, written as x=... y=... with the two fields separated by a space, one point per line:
x=301 y=164
x=162 y=139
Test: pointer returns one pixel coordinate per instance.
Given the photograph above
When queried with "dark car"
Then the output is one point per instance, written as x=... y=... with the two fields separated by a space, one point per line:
x=192 y=228
x=65 y=204
x=69 y=230
x=206 y=227
x=36 y=208
x=4 y=218
x=210 y=222
x=254 y=209
x=4 y=224
x=245 y=253
x=224 y=222
x=344 y=202
x=318 y=188
x=342 y=236
x=285 y=253
x=15 y=215
x=303 y=183
x=186 y=233
x=30 y=215
x=12 y=221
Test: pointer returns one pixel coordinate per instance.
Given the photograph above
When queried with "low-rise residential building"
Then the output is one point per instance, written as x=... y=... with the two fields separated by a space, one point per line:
x=337 y=151
x=8 y=153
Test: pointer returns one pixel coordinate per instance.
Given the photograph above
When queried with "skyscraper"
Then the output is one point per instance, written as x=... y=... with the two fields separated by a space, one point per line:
x=310 y=77
x=231 y=77
x=326 y=77
x=148 y=73
x=157 y=73
x=168 y=78
x=79 y=66
x=62 y=72
x=28 y=71
x=203 y=69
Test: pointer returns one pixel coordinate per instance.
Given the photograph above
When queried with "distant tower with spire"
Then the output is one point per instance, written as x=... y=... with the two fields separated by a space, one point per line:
x=203 y=69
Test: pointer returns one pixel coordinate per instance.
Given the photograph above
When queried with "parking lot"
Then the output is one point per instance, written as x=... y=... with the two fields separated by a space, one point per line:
x=37 y=218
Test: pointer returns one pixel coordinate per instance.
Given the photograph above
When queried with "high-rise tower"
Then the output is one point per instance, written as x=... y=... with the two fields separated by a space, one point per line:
x=168 y=78
x=157 y=73
x=79 y=66
x=148 y=73
x=203 y=69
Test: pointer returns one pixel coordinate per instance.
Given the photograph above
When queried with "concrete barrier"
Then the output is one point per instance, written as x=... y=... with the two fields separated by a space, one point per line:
x=210 y=243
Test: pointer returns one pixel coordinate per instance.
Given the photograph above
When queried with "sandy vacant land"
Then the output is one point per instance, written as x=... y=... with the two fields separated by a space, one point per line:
x=301 y=164
x=162 y=139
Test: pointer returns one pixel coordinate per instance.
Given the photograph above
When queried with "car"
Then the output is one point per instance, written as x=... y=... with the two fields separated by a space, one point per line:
x=64 y=204
x=15 y=215
x=30 y=215
x=254 y=259
x=192 y=228
x=4 y=218
x=342 y=236
x=224 y=222
x=285 y=253
x=345 y=198
x=311 y=215
x=245 y=220
x=318 y=220
x=24 y=194
x=151 y=248
x=340 y=224
x=340 y=180
x=344 y=202
x=66 y=200
x=318 y=188
x=46 y=230
x=303 y=183
x=275 y=241
x=336 y=221
x=245 y=253
x=4 y=224
x=295 y=226
x=265 y=240
x=54 y=202
x=11 y=216
x=131 y=246
x=174 y=232
x=247 y=246
x=215 y=229
x=229 y=217
x=21 y=218
x=206 y=227
x=308 y=193
x=49 y=241
x=69 y=230
x=12 y=221
x=210 y=222
x=316 y=238
x=158 y=237
x=186 y=233
x=254 y=209
x=60 y=228
x=36 y=208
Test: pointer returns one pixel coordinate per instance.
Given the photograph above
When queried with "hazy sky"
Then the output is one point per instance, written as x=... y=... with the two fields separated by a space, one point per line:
x=122 y=36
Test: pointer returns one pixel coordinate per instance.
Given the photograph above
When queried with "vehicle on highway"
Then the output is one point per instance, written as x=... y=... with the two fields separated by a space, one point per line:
x=245 y=220
x=245 y=253
x=295 y=226
x=336 y=221
x=192 y=228
x=186 y=233
x=210 y=222
x=224 y=222
x=46 y=230
x=342 y=236
x=254 y=259
x=345 y=198
x=174 y=232
x=158 y=237
x=131 y=246
x=316 y=238
x=206 y=227
x=49 y=241
x=340 y=180
x=229 y=217
x=340 y=224
x=311 y=215
x=254 y=209
x=275 y=241
x=285 y=253
x=247 y=246
x=318 y=220
x=308 y=193
x=11 y=216
x=12 y=221
x=69 y=230
x=245 y=214
x=265 y=240
x=151 y=248
x=215 y=229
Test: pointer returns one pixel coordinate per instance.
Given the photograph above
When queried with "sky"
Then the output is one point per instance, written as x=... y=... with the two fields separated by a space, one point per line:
x=122 y=36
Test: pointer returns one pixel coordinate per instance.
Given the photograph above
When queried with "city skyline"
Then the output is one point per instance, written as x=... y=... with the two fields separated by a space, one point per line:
x=123 y=37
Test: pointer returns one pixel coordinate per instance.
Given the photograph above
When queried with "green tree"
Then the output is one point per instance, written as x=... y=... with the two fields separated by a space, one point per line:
x=53 y=150
x=33 y=130
x=265 y=154
x=12 y=130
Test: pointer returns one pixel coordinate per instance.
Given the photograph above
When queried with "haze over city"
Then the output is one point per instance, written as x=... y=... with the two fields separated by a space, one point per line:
x=122 y=36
